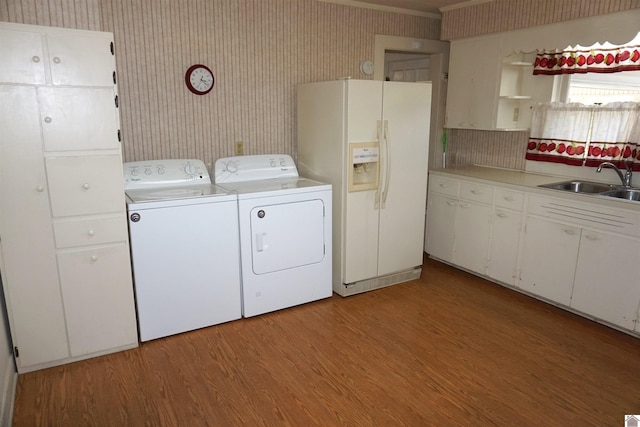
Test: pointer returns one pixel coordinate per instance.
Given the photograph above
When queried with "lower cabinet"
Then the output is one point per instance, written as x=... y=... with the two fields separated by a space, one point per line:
x=473 y=222
x=548 y=259
x=503 y=248
x=97 y=297
x=580 y=255
x=606 y=283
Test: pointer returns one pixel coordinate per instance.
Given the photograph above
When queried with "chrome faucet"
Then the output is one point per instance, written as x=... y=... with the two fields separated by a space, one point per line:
x=626 y=178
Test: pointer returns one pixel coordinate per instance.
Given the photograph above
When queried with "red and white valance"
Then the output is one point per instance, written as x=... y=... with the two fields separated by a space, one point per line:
x=605 y=58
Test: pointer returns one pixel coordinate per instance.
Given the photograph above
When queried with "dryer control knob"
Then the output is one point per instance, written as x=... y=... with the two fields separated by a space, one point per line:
x=232 y=167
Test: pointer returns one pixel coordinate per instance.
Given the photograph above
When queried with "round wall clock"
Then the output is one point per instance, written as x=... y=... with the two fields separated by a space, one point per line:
x=366 y=67
x=199 y=79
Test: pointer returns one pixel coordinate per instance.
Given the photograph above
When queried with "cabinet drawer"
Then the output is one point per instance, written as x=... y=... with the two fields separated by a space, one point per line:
x=442 y=185
x=90 y=232
x=476 y=192
x=85 y=185
x=509 y=199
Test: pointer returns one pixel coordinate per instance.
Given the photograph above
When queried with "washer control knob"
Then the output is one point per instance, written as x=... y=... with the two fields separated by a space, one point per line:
x=273 y=163
x=283 y=162
x=232 y=167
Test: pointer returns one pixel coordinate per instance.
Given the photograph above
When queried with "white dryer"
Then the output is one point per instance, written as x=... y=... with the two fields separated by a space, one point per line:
x=285 y=231
x=184 y=247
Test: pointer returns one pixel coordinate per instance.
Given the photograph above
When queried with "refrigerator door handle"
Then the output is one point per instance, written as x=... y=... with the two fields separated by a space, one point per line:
x=376 y=198
x=387 y=162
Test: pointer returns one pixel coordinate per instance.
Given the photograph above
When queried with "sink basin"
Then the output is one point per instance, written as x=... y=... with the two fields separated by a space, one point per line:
x=580 y=187
x=625 y=193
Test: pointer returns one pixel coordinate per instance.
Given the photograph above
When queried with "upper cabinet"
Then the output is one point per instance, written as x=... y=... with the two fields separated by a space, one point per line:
x=492 y=91
x=474 y=69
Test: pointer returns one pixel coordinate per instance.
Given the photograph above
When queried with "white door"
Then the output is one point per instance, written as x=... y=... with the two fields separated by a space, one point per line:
x=81 y=61
x=549 y=255
x=606 y=282
x=287 y=235
x=360 y=255
x=78 y=118
x=21 y=57
x=30 y=272
x=186 y=265
x=406 y=118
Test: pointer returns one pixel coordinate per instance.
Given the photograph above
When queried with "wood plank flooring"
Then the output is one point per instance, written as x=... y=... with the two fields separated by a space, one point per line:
x=448 y=349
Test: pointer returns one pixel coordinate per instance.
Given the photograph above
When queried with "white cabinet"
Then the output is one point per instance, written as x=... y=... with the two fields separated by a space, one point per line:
x=473 y=225
x=441 y=217
x=549 y=254
x=489 y=89
x=65 y=254
x=458 y=222
x=606 y=283
x=474 y=76
x=506 y=226
x=577 y=254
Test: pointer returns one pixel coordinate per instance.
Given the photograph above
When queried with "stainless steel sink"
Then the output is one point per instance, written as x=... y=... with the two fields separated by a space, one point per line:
x=624 y=193
x=581 y=187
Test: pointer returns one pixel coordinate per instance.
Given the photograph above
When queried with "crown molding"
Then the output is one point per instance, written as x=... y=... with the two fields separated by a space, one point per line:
x=464 y=4
x=365 y=5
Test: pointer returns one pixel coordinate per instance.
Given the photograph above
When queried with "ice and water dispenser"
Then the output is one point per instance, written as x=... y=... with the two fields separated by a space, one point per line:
x=364 y=170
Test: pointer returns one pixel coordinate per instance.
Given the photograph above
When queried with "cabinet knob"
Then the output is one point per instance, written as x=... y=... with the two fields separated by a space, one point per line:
x=57 y=60
x=85 y=186
x=94 y=258
x=476 y=192
x=39 y=188
x=91 y=233
x=35 y=58
x=501 y=215
x=48 y=119
x=508 y=198
x=570 y=231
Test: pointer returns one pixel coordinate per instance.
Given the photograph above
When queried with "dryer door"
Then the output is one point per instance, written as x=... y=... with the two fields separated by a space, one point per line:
x=287 y=235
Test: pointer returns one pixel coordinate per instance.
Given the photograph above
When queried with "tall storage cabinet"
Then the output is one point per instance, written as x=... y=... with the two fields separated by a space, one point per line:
x=64 y=250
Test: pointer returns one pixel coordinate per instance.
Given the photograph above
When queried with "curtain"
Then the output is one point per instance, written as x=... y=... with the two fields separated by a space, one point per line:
x=599 y=58
x=585 y=135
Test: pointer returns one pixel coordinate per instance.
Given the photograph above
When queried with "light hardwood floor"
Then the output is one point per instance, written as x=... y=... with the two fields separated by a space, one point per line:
x=449 y=349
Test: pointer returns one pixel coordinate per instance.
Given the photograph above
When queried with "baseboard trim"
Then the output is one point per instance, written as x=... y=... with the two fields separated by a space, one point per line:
x=359 y=287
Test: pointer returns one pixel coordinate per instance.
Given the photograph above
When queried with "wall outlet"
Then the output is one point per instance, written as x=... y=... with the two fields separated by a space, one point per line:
x=239 y=148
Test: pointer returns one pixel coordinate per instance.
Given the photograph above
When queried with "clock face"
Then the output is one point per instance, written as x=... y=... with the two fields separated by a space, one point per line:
x=199 y=79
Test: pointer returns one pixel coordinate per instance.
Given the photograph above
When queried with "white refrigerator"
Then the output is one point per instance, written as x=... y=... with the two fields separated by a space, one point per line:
x=370 y=140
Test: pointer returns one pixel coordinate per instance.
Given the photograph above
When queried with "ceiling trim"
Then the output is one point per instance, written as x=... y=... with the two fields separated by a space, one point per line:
x=364 y=5
x=464 y=4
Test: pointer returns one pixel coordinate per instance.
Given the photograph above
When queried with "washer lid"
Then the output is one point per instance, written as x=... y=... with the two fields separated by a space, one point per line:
x=172 y=193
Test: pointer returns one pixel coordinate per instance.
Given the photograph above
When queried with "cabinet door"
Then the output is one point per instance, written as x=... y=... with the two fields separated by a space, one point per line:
x=78 y=118
x=21 y=57
x=441 y=217
x=85 y=185
x=81 y=60
x=30 y=274
x=606 y=283
x=549 y=256
x=98 y=299
x=474 y=75
x=472 y=228
x=503 y=249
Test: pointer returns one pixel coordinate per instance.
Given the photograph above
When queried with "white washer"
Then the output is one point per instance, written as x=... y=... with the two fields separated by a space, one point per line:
x=285 y=231
x=184 y=247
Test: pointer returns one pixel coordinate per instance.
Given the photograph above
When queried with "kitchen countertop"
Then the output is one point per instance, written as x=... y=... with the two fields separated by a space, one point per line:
x=529 y=181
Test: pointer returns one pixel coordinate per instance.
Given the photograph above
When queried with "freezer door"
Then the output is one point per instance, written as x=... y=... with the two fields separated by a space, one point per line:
x=287 y=235
x=406 y=119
